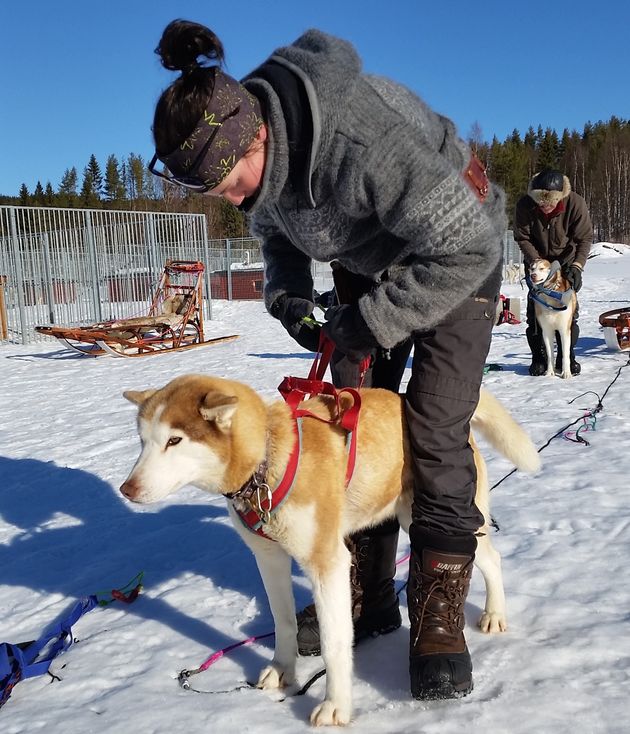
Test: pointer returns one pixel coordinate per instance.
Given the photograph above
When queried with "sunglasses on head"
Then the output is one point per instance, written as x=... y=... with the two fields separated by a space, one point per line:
x=189 y=181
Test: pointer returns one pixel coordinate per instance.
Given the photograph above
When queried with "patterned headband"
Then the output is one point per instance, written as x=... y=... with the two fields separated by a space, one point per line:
x=230 y=123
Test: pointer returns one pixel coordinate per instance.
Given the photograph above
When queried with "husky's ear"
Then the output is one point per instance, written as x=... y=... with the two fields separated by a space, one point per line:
x=138 y=396
x=219 y=409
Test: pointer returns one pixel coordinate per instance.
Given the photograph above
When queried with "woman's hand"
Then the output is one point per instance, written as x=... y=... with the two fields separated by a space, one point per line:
x=290 y=311
x=346 y=327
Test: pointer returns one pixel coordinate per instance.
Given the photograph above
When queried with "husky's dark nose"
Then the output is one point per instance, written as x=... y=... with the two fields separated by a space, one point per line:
x=130 y=489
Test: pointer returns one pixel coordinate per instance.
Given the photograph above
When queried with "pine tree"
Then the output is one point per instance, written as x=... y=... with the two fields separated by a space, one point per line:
x=49 y=195
x=498 y=165
x=548 y=150
x=135 y=177
x=24 y=196
x=38 y=194
x=518 y=166
x=67 y=192
x=232 y=221
x=152 y=189
x=88 y=196
x=114 y=188
x=95 y=176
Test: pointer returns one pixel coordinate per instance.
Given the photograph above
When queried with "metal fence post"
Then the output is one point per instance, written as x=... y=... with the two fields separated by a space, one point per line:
x=206 y=258
x=4 y=319
x=50 y=297
x=19 y=274
x=89 y=238
x=228 y=266
x=155 y=263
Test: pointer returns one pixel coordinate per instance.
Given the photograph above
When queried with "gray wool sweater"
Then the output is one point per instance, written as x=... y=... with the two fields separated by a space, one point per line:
x=385 y=196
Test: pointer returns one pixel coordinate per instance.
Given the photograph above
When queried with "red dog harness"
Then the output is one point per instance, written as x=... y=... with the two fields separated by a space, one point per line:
x=255 y=502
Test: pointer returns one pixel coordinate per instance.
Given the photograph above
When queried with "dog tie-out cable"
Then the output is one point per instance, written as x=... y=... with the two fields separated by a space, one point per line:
x=185 y=675
x=588 y=416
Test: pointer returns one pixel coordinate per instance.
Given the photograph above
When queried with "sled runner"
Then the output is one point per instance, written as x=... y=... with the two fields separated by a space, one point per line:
x=616 y=325
x=174 y=321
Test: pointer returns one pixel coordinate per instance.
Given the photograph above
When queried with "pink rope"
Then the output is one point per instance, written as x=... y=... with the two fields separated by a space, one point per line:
x=220 y=653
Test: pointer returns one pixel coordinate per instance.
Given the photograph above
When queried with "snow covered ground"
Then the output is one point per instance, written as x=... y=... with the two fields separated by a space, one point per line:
x=68 y=440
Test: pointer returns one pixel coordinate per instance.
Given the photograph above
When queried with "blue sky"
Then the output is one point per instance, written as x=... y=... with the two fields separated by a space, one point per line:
x=81 y=77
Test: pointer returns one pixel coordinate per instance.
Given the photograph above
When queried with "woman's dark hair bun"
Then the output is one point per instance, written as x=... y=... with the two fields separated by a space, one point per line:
x=183 y=42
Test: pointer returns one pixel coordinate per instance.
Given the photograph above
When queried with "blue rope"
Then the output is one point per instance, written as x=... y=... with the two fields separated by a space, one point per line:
x=19 y=661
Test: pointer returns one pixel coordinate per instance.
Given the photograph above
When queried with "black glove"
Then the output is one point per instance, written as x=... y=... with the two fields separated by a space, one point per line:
x=346 y=327
x=326 y=300
x=574 y=275
x=290 y=310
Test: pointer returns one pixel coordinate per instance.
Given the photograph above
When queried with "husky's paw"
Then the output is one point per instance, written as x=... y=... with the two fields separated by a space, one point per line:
x=493 y=622
x=330 y=714
x=274 y=676
x=566 y=375
x=550 y=373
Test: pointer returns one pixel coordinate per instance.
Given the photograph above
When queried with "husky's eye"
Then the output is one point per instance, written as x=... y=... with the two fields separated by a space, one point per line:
x=173 y=441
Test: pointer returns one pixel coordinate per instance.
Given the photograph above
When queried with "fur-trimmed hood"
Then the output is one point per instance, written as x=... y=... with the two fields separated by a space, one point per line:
x=553 y=198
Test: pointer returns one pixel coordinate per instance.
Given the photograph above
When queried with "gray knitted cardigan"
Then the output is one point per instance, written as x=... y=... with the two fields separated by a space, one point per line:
x=386 y=194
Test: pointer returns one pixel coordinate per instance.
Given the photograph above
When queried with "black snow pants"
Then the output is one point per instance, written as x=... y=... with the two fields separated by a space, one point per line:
x=442 y=395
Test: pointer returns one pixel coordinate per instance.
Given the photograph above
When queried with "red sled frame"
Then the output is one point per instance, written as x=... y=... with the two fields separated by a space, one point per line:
x=616 y=325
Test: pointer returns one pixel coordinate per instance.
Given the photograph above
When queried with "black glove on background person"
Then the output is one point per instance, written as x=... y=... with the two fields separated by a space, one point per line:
x=574 y=275
x=346 y=327
x=290 y=310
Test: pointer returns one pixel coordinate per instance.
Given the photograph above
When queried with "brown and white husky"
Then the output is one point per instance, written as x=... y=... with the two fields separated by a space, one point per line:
x=550 y=317
x=215 y=434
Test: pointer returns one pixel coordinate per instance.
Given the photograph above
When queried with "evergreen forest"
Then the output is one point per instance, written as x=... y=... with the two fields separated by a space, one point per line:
x=596 y=160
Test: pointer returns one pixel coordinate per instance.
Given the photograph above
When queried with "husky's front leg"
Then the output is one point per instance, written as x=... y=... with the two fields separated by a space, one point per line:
x=565 y=341
x=548 y=339
x=331 y=590
x=274 y=564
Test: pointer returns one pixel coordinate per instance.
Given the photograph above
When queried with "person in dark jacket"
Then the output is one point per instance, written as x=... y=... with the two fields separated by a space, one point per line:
x=552 y=222
x=331 y=163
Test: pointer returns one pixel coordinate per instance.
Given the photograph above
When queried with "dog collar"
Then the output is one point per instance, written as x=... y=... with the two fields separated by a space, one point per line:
x=255 y=502
x=258 y=479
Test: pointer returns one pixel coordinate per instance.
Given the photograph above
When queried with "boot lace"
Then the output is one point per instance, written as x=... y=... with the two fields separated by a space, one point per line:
x=448 y=591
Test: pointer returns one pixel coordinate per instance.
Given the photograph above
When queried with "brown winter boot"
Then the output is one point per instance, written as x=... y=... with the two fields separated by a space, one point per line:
x=374 y=602
x=439 y=661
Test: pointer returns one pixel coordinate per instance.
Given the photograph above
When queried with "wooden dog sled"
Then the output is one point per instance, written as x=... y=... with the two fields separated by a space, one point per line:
x=616 y=326
x=174 y=321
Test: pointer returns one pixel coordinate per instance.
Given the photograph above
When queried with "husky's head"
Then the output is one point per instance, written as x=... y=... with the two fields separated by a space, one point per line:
x=187 y=430
x=539 y=271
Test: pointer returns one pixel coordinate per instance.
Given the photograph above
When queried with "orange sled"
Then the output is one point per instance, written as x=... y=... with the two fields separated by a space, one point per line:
x=616 y=325
x=174 y=321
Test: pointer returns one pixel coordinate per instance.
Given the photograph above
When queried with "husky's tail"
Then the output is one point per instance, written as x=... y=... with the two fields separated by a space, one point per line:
x=503 y=433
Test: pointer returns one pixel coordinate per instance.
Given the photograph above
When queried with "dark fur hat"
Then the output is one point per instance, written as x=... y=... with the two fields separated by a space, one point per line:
x=549 y=187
